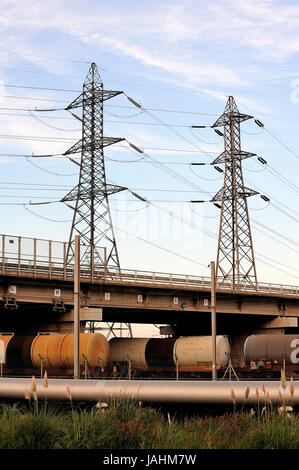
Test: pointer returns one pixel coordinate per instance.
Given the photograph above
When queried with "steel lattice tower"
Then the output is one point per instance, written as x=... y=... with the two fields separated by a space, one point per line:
x=235 y=255
x=92 y=217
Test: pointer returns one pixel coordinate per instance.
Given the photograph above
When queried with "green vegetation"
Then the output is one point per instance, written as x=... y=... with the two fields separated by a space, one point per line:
x=125 y=425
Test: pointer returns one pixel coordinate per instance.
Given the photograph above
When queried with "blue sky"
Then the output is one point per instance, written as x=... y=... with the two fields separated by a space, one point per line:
x=174 y=56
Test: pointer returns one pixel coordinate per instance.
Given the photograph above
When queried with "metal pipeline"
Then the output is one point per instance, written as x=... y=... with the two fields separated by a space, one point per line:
x=155 y=391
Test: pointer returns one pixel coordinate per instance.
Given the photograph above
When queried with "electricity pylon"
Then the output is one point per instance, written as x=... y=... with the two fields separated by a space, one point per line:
x=235 y=255
x=92 y=217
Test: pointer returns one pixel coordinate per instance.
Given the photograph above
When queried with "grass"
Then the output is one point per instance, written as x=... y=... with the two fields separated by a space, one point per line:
x=126 y=425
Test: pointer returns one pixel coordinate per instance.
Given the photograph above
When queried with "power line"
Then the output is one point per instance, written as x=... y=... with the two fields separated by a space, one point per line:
x=160 y=247
x=260 y=256
x=32 y=155
x=45 y=117
x=164 y=124
x=159 y=162
x=21 y=54
x=204 y=231
x=200 y=139
x=280 y=263
x=277 y=233
x=148 y=124
x=173 y=173
x=285 y=212
x=282 y=143
x=43 y=217
x=164 y=110
x=212 y=235
x=51 y=126
x=142 y=160
x=202 y=177
x=42 y=139
x=106 y=121
x=33 y=98
x=130 y=86
x=38 y=88
x=70 y=140
x=282 y=178
x=279 y=203
x=20 y=195
x=27 y=109
x=188 y=182
x=34 y=189
x=114 y=106
x=275 y=239
x=209 y=233
x=163 y=149
x=40 y=73
x=65 y=187
x=34 y=184
x=170 y=190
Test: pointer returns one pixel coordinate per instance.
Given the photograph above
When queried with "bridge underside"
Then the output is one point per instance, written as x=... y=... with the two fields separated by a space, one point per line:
x=34 y=303
x=30 y=306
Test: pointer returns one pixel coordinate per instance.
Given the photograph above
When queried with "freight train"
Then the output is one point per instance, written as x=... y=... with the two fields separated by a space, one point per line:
x=191 y=355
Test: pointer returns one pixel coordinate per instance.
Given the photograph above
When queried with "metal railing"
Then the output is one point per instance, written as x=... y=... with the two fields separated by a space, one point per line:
x=38 y=258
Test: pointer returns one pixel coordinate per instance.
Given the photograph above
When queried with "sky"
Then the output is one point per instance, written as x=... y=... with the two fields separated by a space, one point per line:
x=180 y=60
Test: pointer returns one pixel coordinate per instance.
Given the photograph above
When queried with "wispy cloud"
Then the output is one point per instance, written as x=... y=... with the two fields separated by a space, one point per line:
x=174 y=38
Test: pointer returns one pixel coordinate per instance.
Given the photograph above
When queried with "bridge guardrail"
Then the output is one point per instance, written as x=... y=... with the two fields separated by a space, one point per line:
x=32 y=257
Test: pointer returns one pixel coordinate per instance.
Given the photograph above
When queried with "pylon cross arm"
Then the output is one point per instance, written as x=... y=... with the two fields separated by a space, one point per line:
x=218 y=196
x=96 y=144
x=226 y=118
x=89 y=95
x=76 y=193
x=226 y=155
x=247 y=192
x=107 y=94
